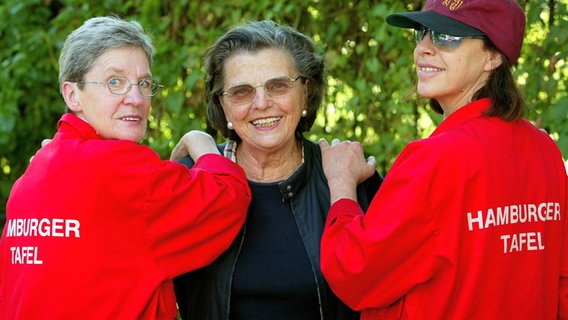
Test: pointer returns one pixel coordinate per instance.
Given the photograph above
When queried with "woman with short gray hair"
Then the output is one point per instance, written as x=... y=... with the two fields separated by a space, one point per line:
x=98 y=226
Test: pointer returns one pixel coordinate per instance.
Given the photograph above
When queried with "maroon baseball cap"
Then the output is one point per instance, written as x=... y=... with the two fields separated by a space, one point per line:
x=502 y=21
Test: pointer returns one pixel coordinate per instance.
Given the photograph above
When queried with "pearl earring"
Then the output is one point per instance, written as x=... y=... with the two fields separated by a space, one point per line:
x=304 y=113
x=230 y=125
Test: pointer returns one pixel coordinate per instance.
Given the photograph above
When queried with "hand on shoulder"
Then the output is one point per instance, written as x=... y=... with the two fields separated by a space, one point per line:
x=195 y=143
x=345 y=167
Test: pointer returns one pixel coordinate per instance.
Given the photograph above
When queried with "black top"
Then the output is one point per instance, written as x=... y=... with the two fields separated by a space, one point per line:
x=207 y=293
x=273 y=277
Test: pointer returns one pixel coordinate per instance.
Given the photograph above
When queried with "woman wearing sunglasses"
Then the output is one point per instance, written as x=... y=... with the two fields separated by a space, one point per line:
x=265 y=84
x=469 y=223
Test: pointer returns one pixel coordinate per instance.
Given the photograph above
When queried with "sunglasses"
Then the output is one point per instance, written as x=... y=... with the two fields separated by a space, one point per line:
x=244 y=93
x=441 y=40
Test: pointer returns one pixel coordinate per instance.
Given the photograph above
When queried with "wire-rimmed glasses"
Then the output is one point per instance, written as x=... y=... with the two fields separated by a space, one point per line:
x=122 y=85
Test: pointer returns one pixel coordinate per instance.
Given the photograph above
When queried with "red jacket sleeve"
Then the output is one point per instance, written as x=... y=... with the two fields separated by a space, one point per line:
x=194 y=214
x=357 y=251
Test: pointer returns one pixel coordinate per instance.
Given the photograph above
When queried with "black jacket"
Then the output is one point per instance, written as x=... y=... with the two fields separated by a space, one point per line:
x=205 y=294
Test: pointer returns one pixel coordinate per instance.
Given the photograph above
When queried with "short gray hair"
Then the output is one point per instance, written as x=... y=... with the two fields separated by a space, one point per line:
x=97 y=35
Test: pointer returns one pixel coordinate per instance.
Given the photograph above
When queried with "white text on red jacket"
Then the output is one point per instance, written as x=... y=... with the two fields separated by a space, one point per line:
x=64 y=228
x=516 y=214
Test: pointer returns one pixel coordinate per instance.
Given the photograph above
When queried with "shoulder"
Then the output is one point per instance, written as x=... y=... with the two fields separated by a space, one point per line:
x=450 y=154
x=311 y=148
x=120 y=150
x=312 y=153
x=120 y=159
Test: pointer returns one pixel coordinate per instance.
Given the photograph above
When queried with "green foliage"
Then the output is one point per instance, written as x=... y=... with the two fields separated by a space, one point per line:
x=369 y=65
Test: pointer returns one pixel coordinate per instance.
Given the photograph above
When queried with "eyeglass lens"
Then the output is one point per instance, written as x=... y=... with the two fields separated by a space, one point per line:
x=244 y=93
x=121 y=85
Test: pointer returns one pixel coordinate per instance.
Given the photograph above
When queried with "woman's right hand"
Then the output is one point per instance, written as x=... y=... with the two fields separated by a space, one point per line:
x=195 y=144
x=345 y=167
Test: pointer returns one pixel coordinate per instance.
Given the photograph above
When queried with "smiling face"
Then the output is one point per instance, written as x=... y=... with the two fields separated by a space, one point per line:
x=266 y=123
x=122 y=117
x=453 y=75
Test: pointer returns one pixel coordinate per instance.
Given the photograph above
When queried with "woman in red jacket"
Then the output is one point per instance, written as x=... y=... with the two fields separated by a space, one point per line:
x=98 y=225
x=469 y=223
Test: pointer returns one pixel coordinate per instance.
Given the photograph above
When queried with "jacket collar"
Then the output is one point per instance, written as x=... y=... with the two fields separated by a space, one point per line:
x=292 y=186
x=468 y=112
x=70 y=122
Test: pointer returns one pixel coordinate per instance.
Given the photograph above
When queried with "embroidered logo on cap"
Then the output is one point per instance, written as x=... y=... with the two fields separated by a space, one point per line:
x=452 y=4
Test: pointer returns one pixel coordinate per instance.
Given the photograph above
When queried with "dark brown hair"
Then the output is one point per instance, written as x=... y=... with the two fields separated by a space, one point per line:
x=501 y=88
x=253 y=37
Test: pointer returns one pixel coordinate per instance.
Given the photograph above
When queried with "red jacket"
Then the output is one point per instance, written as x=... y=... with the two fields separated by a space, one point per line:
x=469 y=223
x=97 y=229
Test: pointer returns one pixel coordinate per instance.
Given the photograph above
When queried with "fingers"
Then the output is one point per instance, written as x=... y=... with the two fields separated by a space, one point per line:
x=44 y=142
x=335 y=141
x=371 y=161
x=350 y=145
x=178 y=152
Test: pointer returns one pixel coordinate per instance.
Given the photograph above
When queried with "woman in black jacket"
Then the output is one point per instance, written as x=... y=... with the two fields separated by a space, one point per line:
x=265 y=84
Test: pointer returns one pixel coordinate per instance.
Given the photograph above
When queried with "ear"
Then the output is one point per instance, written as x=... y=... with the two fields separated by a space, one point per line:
x=223 y=108
x=69 y=91
x=306 y=89
x=494 y=61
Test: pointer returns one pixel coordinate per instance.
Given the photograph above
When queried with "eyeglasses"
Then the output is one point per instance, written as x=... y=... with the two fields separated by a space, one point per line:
x=441 y=40
x=122 y=85
x=244 y=93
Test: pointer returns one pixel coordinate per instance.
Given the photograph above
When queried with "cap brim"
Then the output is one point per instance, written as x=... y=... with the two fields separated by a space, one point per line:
x=433 y=21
